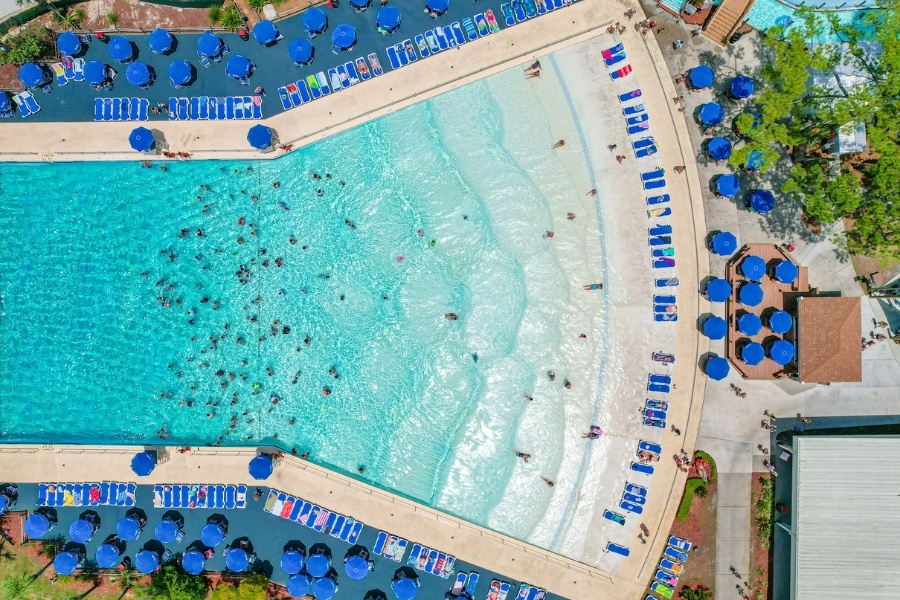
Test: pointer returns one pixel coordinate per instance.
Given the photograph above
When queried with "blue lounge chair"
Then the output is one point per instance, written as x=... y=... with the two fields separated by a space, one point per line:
x=634 y=500
x=116 y=109
x=335 y=79
x=451 y=40
x=655 y=184
x=407 y=47
x=633 y=488
x=629 y=95
x=658 y=388
x=657 y=405
x=414 y=554
x=645 y=152
x=348 y=527
x=530 y=10
x=613 y=50
x=667 y=282
x=660 y=230
x=638 y=129
x=458 y=33
x=126 y=109
x=680 y=544
x=662 y=589
x=481 y=23
x=423 y=46
x=614 y=517
x=651 y=175
x=303 y=90
x=650 y=447
x=664 y=308
x=213 y=103
x=194 y=107
x=469 y=26
x=204 y=107
x=392 y=57
x=380 y=541
x=134 y=110
x=664 y=263
x=658 y=423
x=656 y=378
x=286 y=102
x=401 y=550
x=182 y=109
x=229 y=108
x=633 y=110
x=506 y=9
x=329 y=523
x=617 y=549
x=662 y=300
x=636 y=119
x=441 y=38
x=670 y=566
x=663 y=240
x=639 y=468
x=303 y=517
x=614 y=59
x=205 y=62
x=352 y=75
x=338 y=526
x=42 y=494
x=676 y=555
x=661 y=199
x=643 y=142
x=441 y=559
x=472 y=583
x=432 y=42
x=241 y=501
x=98 y=109
x=355 y=530
x=78 y=68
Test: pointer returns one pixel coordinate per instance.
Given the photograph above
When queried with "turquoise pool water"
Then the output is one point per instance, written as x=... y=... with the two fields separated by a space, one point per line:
x=125 y=291
x=768 y=13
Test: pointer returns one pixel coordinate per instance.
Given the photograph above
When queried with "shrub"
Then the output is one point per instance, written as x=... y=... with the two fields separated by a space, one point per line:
x=713 y=471
x=232 y=18
x=250 y=588
x=171 y=583
x=112 y=18
x=691 y=488
x=763 y=509
x=32 y=43
x=696 y=592
x=214 y=14
x=257 y=5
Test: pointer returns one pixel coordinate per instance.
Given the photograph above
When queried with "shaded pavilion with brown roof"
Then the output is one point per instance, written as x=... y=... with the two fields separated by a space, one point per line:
x=828 y=339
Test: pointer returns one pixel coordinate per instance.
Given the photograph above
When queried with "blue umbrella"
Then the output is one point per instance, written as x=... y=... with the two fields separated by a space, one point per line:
x=209 y=45
x=128 y=529
x=95 y=72
x=65 y=563
x=68 y=44
x=260 y=137
x=291 y=562
x=238 y=66
x=405 y=588
x=236 y=560
x=314 y=20
x=724 y=243
x=138 y=74
x=212 y=535
x=752 y=353
x=261 y=466
x=360 y=3
x=146 y=561
x=193 y=562
x=712 y=113
x=107 y=556
x=36 y=525
x=762 y=201
x=750 y=294
x=300 y=51
x=741 y=86
x=701 y=77
x=782 y=352
x=749 y=324
x=180 y=73
x=298 y=585
x=160 y=41
x=356 y=567
x=265 y=32
x=715 y=328
x=32 y=75
x=120 y=49
x=717 y=368
x=81 y=531
x=753 y=268
x=438 y=6
x=324 y=588
x=143 y=463
x=343 y=36
x=780 y=321
x=166 y=531
x=388 y=18
x=719 y=148
x=4 y=501
x=754 y=161
x=141 y=139
x=4 y=106
x=318 y=565
x=718 y=290
x=728 y=186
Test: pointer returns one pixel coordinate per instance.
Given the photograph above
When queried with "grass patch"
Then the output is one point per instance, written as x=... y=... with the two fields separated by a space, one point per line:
x=763 y=509
x=694 y=487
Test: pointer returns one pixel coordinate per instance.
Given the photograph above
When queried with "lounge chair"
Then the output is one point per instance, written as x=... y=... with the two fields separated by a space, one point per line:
x=633 y=110
x=645 y=152
x=679 y=543
x=614 y=517
x=335 y=79
x=456 y=28
x=662 y=283
x=116 y=109
x=664 y=263
x=662 y=589
x=392 y=57
x=660 y=230
x=638 y=490
x=506 y=9
x=658 y=423
x=612 y=60
x=659 y=388
x=459 y=585
x=303 y=90
x=375 y=64
x=323 y=83
x=654 y=377
x=363 y=69
x=194 y=107
x=655 y=184
x=640 y=468
x=451 y=39
x=637 y=119
x=423 y=46
x=182 y=108
x=612 y=50
x=491 y=21
x=78 y=69
x=662 y=300
x=628 y=96
x=530 y=8
x=621 y=72
x=617 y=549
x=406 y=46
x=670 y=566
x=204 y=62
x=481 y=23
x=134 y=109
x=442 y=39
x=663 y=240
x=661 y=199
x=286 y=101
x=649 y=446
x=657 y=405
x=378 y=548
x=676 y=555
x=518 y=11
x=471 y=584
x=432 y=42
x=643 y=142
x=638 y=129
x=651 y=175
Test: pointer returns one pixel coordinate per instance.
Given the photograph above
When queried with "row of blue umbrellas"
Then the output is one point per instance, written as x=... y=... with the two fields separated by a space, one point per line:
x=780 y=351
x=143 y=463
x=749 y=324
x=159 y=40
x=701 y=77
x=142 y=140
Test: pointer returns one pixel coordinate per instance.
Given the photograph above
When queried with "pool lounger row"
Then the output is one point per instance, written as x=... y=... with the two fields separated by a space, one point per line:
x=316 y=85
x=315 y=517
x=499 y=589
x=215 y=108
x=121 y=109
x=520 y=10
x=390 y=546
x=106 y=493
x=440 y=39
x=432 y=561
x=216 y=496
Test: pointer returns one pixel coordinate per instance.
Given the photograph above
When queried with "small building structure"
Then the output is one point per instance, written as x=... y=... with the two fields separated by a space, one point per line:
x=828 y=339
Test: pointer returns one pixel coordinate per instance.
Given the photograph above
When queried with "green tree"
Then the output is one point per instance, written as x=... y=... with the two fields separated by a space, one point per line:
x=15 y=587
x=112 y=18
x=232 y=18
x=257 y=5
x=214 y=14
x=32 y=43
x=250 y=588
x=171 y=583
x=124 y=579
x=696 y=592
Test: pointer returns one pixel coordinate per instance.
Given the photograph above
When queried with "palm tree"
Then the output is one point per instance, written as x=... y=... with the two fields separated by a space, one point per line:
x=15 y=586
x=232 y=18
x=70 y=19
x=112 y=18
x=125 y=578
x=214 y=14
x=48 y=3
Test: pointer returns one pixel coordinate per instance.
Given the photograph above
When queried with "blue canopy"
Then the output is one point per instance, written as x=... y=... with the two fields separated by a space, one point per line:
x=238 y=66
x=180 y=73
x=324 y=588
x=291 y=562
x=718 y=290
x=356 y=567
x=138 y=74
x=360 y=3
x=405 y=588
x=128 y=529
x=261 y=466
x=4 y=501
x=715 y=328
x=32 y=75
x=724 y=243
x=438 y=6
x=750 y=294
x=388 y=17
x=81 y=531
x=753 y=267
x=782 y=352
x=36 y=525
x=343 y=36
x=193 y=562
x=314 y=20
x=65 y=563
x=318 y=565
x=146 y=561
x=212 y=534
x=209 y=45
x=107 y=556
x=300 y=51
x=95 y=72
x=68 y=44
x=4 y=106
x=120 y=49
x=236 y=560
x=298 y=585
x=754 y=161
x=160 y=41
x=728 y=186
x=786 y=271
x=780 y=321
x=752 y=353
x=260 y=137
x=762 y=201
x=265 y=32
x=717 y=368
x=141 y=139
x=701 y=77
x=166 y=531
x=741 y=86
x=749 y=324
x=143 y=463
x=719 y=148
x=712 y=113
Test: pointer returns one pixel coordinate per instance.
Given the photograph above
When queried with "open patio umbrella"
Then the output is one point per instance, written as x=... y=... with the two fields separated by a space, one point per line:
x=719 y=148
x=193 y=562
x=782 y=352
x=388 y=17
x=4 y=106
x=724 y=243
x=143 y=463
x=762 y=201
x=180 y=73
x=121 y=50
x=712 y=113
x=32 y=75
x=718 y=290
x=209 y=45
x=4 y=504
x=160 y=41
x=324 y=588
x=128 y=529
x=786 y=271
x=750 y=294
x=356 y=567
x=298 y=585
x=753 y=267
x=300 y=51
x=728 y=186
x=107 y=556
x=146 y=561
x=780 y=321
x=318 y=565
x=36 y=525
x=291 y=562
x=752 y=353
x=701 y=77
x=238 y=66
x=236 y=560
x=755 y=160
x=166 y=531
x=260 y=467
x=260 y=137
x=405 y=588
x=438 y=6
x=81 y=531
x=212 y=535
x=749 y=324
x=717 y=368
x=141 y=139
x=741 y=87
x=343 y=37
x=95 y=72
x=65 y=563
x=715 y=328
x=265 y=32
x=68 y=43
x=138 y=73
x=360 y=3
x=314 y=20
